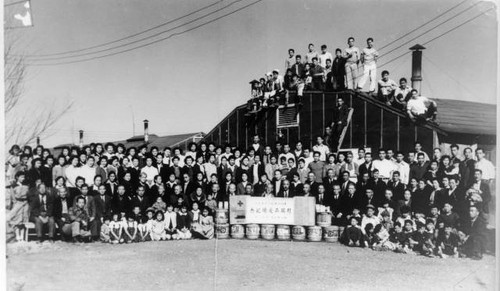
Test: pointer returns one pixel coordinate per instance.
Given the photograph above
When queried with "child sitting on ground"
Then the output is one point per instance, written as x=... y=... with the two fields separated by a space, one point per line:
x=116 y=228
x=419 y=241
x=183 y=224
x=369 y=238
x=434 y=214
x=170 y=223
x=146 y=225
x=158 y=227
x=380 y=238
x=130 y=230
x=447 y=243
x=105 y=234
x=352 y=235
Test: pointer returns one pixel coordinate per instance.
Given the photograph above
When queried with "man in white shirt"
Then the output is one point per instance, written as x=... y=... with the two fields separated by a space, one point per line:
x=351 y=55
x=384 y=166
x=361 y=157
x=403 y=168
x=321 y=148
x=312 y=53
x=420 y=108
x=308 y=158
x=369 y=57
x=150 y=171
x=290 y=60
x=323 y=56
x=487 y=168
x=386 y=88
x=402 y=94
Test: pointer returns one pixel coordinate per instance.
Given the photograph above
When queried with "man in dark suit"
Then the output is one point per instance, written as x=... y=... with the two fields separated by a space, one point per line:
x=285 y=191
x=102 y=205
x=173 y=198
x=367 y=199
x=363 y=183
x=336 y=206
x=350 y=200
x=418 y=170
x=188 y=186
x=338 y=71
x=340 y=114
x=475 y=230
x=367 y=166
x=41 y=212
x=141 y=200
x=260 y=187
x=277 y=182
x=378 y=186
x=257 y=146
x=481 y=188
x=396 y=186
x=329 y=181
x=62 y=204
x=218 y=195
x=256 y=170
x=298 y=68
x=121 y=203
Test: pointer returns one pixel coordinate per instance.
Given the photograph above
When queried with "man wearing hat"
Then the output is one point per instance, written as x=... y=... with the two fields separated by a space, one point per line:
x=369 y=217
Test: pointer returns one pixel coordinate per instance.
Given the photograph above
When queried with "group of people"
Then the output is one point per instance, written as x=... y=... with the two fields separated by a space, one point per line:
x=411 y=201
x=348 y=69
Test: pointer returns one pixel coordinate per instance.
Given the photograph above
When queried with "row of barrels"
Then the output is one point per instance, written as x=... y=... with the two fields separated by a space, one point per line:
x=280 y=232
x=323 y=230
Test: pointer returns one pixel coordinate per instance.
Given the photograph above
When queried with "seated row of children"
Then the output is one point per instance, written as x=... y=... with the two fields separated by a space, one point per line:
x=157 y=225
x=436 y=235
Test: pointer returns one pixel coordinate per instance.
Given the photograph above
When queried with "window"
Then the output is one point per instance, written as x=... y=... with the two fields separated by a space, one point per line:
x=287 y=116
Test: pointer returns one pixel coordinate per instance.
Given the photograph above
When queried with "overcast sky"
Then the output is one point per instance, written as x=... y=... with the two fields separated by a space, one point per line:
x=189 y=82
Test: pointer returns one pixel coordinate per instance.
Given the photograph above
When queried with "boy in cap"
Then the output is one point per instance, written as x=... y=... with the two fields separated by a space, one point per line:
x=369 y=217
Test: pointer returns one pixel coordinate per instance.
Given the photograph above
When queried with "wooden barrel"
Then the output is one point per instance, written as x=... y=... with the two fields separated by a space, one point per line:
x=268 y=231
x=237 y=231
x=283 y=232
x=298 y=232
x=221 y=216
x=331 y=233
x=314 y=233
x=222 y=230
x=323 y=219
x=252 y=231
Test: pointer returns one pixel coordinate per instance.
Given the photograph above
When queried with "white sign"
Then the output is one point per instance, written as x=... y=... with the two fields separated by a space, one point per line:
x=262 y=210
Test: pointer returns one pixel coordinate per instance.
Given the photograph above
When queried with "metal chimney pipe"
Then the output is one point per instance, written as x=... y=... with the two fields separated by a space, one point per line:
x=416 y=67
x=37 y=141
x=81 y=138
x=146 y=130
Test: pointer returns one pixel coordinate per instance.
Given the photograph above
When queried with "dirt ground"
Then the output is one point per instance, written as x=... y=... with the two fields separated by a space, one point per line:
x=235 y=265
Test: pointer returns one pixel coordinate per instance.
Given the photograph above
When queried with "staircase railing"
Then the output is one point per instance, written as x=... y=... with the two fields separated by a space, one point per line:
x=344 y=131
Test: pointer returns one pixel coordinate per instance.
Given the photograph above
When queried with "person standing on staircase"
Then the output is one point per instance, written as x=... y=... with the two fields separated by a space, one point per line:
x=340 y=115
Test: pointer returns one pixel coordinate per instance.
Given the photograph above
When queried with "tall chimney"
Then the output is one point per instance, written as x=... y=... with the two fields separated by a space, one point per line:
x=81 y=138
x=146 y=131
x=416 y=67
x=37 y=141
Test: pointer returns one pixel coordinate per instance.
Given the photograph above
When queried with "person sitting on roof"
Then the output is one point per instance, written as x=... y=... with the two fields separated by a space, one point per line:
x=269 y=91
x=296 y=84
x=254 y=104
x=402 y=94
x=386 y=88
x=420 y=108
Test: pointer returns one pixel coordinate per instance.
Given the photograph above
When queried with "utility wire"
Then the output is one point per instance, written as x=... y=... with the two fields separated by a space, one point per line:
x=127 y=37
x=145 y=38
x=420 y=26
x=434 y=27
x=442 y=34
